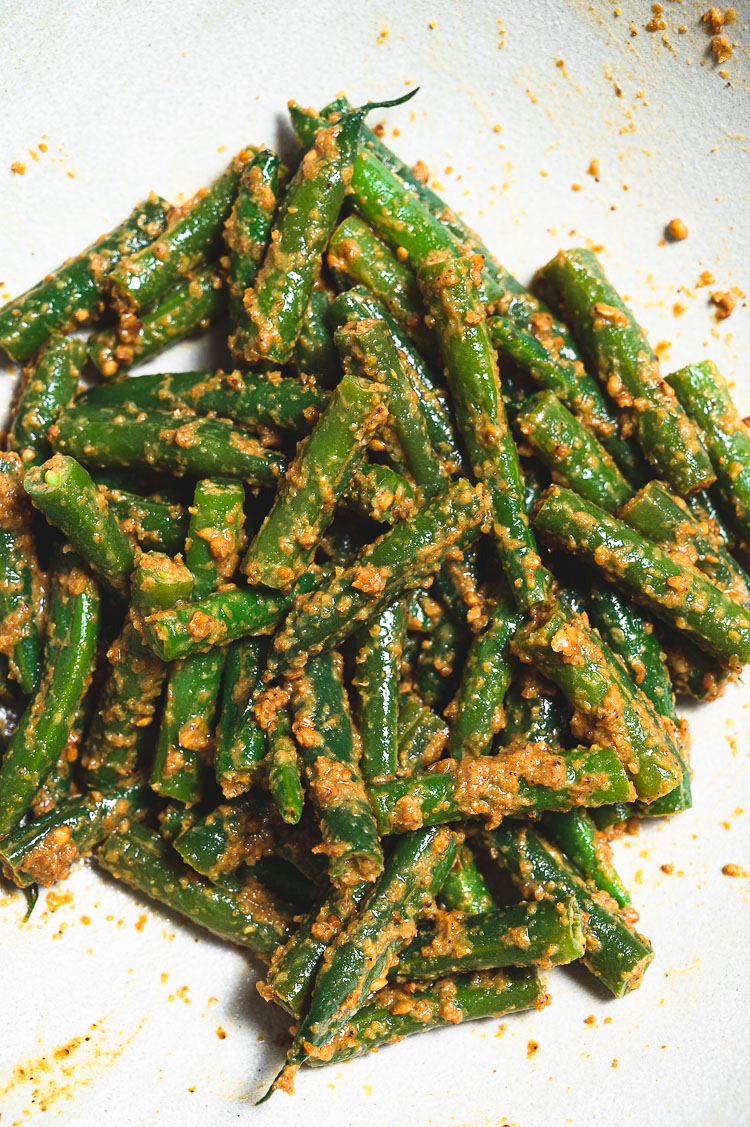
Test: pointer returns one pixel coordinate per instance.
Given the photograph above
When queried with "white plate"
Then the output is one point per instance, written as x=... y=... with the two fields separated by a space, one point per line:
x=158 y=94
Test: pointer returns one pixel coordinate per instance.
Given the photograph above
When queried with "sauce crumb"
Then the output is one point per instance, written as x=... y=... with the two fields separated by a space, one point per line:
x=18 y=167
x=725 y=302
x=677 y=229
x=732 y=870
x=221 y=1033
x=590 y=1020
x=532 y=1049
x=615 y=1062
x=594 y=169
x=668 y=869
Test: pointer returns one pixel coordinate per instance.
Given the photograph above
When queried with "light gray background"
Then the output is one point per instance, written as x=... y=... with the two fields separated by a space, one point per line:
x=129 y=97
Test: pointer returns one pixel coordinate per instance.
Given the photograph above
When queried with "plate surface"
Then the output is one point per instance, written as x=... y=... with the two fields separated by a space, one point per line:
x=113 y=1012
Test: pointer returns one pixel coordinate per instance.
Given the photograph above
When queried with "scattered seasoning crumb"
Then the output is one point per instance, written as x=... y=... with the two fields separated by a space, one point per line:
x=732 y=870
x=221 y=1033
x=725 y=302
x=501 y=1029
x=668 y=869
x=164 y=976
x=532 y=1049
x=192 y=1089
x=432 y=25
x=18 y=167
x=722 y=48
x=716 y=19
x=382 y=36
x=593 y=169
x=608 y=1021
x=678 y=309
x=590 y=1020
x=71 y=175
x=140 y=923
x=677 y=229
x=706 y=279
x=575 y=187
x=615 y=1062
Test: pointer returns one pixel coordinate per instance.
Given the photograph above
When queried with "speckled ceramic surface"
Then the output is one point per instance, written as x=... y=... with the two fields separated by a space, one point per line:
x=549 y=123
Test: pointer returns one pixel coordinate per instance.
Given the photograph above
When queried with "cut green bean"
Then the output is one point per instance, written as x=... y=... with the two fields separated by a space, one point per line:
x=283 y=769
x=242 y=832
x=574 y=832
x=192 y=235
x=423 y=744
x=380 y=493
x=368 y=350
x=531 y=777
x=378 y=664
x=452 y=300
x=681 y=596
x=609 y=706
x=369 y=945
x=356 y=256
x=63 y=490
x=396 y=1012
x=159 y=581
x=329 y=753
x=44 y=851
x=400 y=559
x=485 y=680
x=542 y=357
x=68 y=665
x=240 y=741
x=155 y=525
x=254 y=399
x=573 y=456
x=465 y=889
x=618 y=351
x=49 y=384
x=439 y=660
x=189 y=308
x=241 y=911
x=532 y=711
x=200 y=447
x=314 y=482
x=22 y=592
x=247 y=229
x=705 y=396
x=315 y=356
x=540 y=934
x=662 y=516
x=71 y=296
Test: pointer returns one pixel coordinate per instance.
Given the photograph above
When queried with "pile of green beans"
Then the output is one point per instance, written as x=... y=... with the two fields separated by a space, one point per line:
x=293 y=649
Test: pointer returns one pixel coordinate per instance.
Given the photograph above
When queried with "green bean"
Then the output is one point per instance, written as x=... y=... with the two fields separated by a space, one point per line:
x=704 y=394
x=532 y=711
x=275 y=307
x=528 y=777
x=192 y=235
x=315 y=356
x=254 y=399
x=485 y=680
x=321 y=472
x=155 y=525
x=679 y=595
x=68 y=665
x=573 y=456
x=63 y=491
x=471 y=368
x=221 y=618
x=396 y=1012
x=609 y=706
x=325 y=737
x=465 y=889
x=368 y=350
x=369 y=945
x=617 y=349
x=22 y=592
x=439 y=660
x=540 y=354
x=423 y=743
x=247 y=230
x=43 y=851
x=241 y=911
x=359 y=304
x=49 y=384
x=291 y=975
x=283 y=769
x=59 y=783
x=662 y=516
x=541 y=934
x=177 y=444
x=378 y=663
x=159 y=582
x=693 y=672
x=574 y=832
x=615 y=952
x=240 y=742
x=238 y=833
x=400 y=559
x=356 y=256
x=72 y=295
x=188 y=308
x=185 y=740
